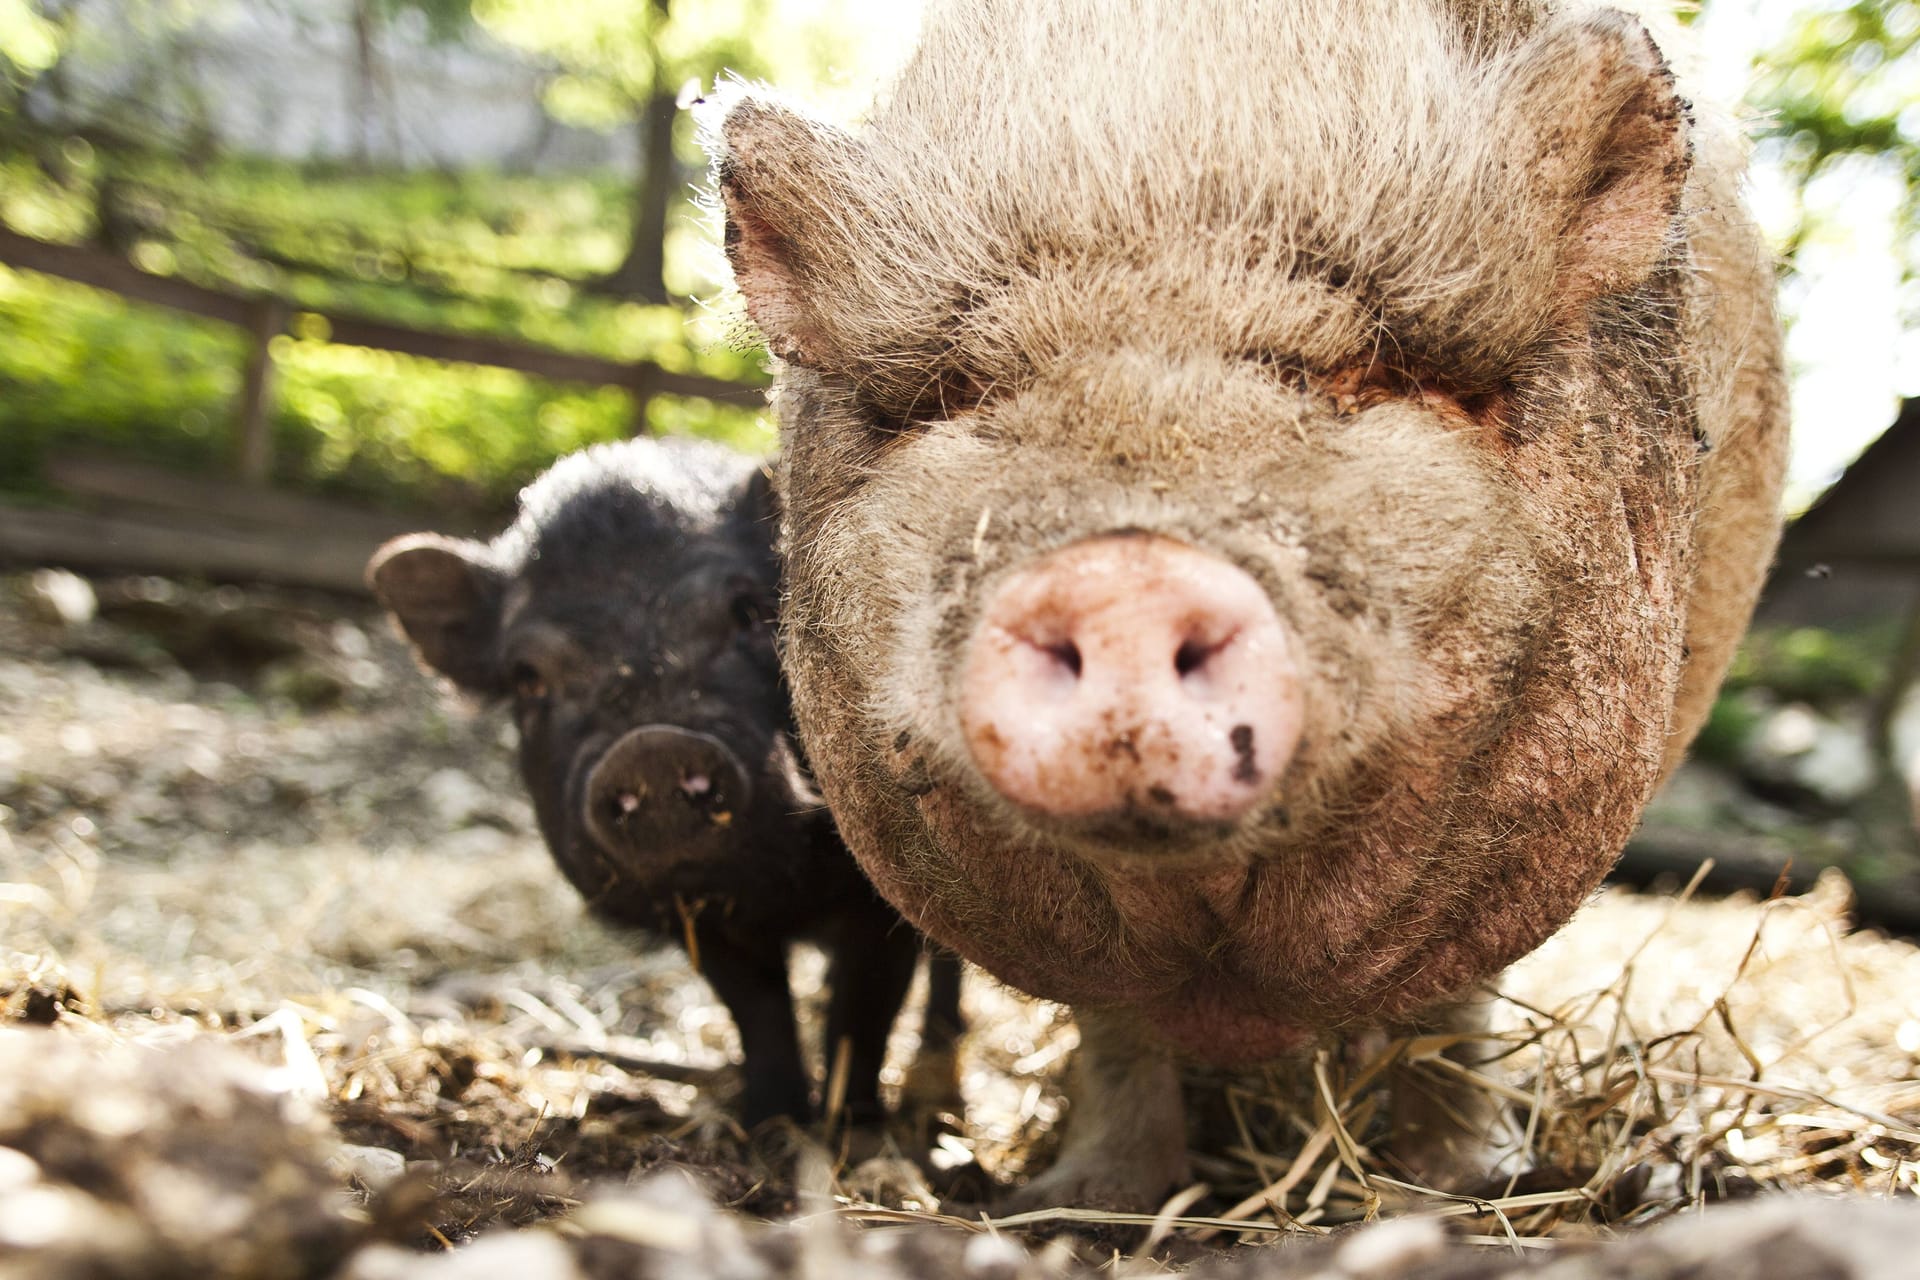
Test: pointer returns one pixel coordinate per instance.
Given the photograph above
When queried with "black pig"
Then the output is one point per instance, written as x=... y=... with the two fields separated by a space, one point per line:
x=628 y=615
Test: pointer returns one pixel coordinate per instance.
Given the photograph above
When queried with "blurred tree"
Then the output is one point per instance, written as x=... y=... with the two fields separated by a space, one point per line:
x=1846 y=84
x=617 y=68
x=625 y=62
x=29 y=41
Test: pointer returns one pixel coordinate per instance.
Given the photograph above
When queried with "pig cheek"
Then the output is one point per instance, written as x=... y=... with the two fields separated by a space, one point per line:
x=553 y=768
x=545 y=787
x=1022 y=912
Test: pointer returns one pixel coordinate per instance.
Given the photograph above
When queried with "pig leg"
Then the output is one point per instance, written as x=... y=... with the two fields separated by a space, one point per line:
x=943 y=1023
x=752 y=982
x=873 y=959
x=933 y=1082
x=1447 y=1133
x=1126 y=1142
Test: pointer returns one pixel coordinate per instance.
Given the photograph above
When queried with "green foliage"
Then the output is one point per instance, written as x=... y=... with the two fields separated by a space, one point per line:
x=477 y=253
x=85 y=368
x=511 y=255
x=1827 y=669
x=445 y=19
x=1846 y=83
x=1813 y=664
x=1735 y=719
x=28 y=41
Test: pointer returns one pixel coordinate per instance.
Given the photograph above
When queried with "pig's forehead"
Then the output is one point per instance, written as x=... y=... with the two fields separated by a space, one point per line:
x=596 y=613
x=1346 y=145
x=634 y=588
x=604 y=516
x=638 y=483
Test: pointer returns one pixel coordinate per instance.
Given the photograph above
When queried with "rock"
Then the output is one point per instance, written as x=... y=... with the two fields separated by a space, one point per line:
x=519 y=1255
x=371 y=1167
x=456 y=799
x=122 y=1160
x=60 y=597
x=1828 y=759
x=306 y=683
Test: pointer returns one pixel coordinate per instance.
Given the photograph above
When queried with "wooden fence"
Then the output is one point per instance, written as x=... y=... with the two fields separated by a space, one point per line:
x=265 y=317
x=131 y=517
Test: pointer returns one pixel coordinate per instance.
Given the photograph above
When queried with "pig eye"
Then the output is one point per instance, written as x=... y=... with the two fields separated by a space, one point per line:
x=528 y=684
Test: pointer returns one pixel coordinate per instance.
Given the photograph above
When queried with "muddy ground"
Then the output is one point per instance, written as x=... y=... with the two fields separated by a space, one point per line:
x=244 y=816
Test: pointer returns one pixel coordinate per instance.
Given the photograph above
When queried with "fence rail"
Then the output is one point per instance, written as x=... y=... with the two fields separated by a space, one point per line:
x=266 y=316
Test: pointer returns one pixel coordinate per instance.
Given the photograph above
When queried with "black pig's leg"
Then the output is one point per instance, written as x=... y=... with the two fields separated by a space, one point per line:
x=941 y=1028
x=752 y=982
x=933 y=1082
x=873 y=959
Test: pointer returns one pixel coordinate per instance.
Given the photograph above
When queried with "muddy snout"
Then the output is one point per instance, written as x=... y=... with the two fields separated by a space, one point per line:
x=1132 y=675
x=659 y=786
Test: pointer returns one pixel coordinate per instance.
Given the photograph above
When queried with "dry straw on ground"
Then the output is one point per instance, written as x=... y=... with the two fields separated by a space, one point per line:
x=492 y=1058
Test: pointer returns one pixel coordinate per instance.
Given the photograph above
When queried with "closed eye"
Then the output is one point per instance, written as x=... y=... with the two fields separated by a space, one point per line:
x=948 y=394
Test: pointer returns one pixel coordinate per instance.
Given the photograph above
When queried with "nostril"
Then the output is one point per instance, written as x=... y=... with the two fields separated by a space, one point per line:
x=1132 y=674
x=1194 y=654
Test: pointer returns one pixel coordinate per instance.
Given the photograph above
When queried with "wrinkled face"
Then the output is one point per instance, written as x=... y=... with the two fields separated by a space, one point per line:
x=1180 y=617
x=1261 y=605
x=1451 y=715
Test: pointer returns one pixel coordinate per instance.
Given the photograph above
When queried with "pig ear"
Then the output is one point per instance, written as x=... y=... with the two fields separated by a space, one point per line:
x=446 y=597
x=778 y=174
x=1594 y=127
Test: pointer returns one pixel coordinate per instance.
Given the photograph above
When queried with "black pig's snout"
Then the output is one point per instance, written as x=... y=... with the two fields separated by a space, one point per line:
x=659 y=786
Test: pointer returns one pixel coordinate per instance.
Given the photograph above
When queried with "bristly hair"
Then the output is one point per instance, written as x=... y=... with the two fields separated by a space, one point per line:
x=591 y=498
x=1003 y=199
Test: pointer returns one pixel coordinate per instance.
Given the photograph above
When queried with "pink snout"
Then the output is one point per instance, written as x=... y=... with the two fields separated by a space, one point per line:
x=1132 y=673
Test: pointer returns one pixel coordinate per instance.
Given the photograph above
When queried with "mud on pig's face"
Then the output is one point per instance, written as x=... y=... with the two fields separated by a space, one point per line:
x=1183 y=597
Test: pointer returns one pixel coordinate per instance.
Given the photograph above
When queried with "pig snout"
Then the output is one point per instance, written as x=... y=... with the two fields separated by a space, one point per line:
x=658 y=786
x=1131 y=674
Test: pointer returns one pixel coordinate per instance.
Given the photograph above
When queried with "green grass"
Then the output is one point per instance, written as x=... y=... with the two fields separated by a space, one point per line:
x=509 y=256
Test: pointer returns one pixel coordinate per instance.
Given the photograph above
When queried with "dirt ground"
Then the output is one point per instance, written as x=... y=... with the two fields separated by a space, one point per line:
x=246 y=817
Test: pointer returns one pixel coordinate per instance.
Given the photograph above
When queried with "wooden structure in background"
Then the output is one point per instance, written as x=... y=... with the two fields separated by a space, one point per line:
x=266 y=317
x=148 y=519
x=131 y=517
x=1855 y=554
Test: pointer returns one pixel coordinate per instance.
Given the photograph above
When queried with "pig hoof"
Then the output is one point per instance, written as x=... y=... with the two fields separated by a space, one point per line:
x=1089 y=1184
x=1443 y=1156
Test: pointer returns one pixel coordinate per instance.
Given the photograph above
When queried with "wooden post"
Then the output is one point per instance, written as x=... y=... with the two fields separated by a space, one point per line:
x=643 y=384
x=253 y=431
x=1893 y=686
